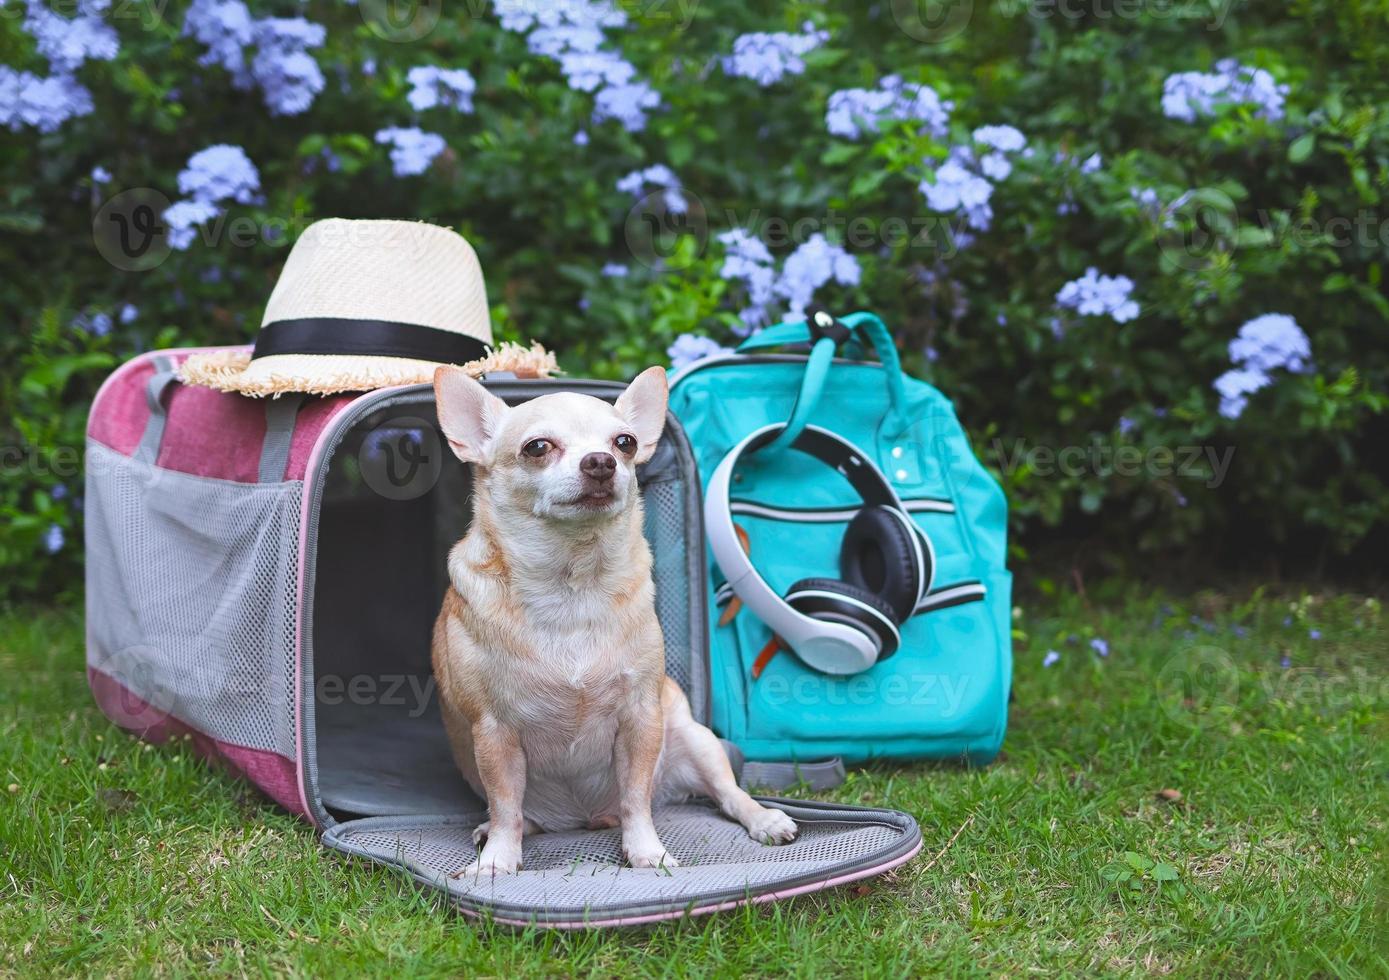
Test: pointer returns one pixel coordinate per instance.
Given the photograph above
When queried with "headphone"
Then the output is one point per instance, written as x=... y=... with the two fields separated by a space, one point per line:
x=886 y=563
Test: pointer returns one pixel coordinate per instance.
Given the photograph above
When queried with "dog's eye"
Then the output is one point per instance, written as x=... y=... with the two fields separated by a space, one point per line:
x=626 y=444
x=537 y=448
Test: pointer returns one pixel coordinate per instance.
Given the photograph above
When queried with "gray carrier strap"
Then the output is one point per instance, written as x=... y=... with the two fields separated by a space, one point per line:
x=164 y=375
x=820 y=775
x=280 y=414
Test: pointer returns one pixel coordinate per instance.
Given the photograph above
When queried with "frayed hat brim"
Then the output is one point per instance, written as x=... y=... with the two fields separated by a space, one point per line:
x=233 y=370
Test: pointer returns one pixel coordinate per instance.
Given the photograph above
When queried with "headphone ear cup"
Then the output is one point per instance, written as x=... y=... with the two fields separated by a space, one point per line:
x=833 y=601
x=883 y=552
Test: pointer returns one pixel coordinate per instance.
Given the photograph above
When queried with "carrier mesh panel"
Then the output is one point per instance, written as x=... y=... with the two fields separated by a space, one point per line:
x=582 y=871
x=191 y=592
x=665 y=531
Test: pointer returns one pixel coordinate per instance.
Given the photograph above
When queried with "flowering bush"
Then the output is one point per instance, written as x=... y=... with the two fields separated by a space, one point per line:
x=1122 y=232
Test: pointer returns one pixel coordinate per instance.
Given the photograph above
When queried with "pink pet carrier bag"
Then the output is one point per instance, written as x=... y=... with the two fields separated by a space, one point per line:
x=263 y=575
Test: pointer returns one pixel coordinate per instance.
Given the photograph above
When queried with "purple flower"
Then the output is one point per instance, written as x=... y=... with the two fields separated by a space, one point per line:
x=1100 y=646
x=53 y=540
x=855 y=112
x=287 y=75
x=433 y=86
x=522 y=15
x=1096 y=295
x=182 y=217
x=1006 y=138
x=41 y=103
x=1190 y=95
x=100 y=175
x=1126 y=425
x=954 y=188
x=614 y=270
x=558 y=40
x=628 y=104
x=59 y=492
x=747 y=260
x=412 y=149
x=809 y=267
x=68 y=42
x=581 y=138
x=224 y=28
x=1273 y=340
x=1147 y=199
x=571 y=33
x=689 y=347
x=995 y=166
x=1285 y=661
x=96 y=324
x=220 y=173
x=1314 y=634
x=766 y=58
x=660 y=176
x=1235 y=386
x=962 y=183
x=1091 y=164
x=1051 y=658
x=587 y=71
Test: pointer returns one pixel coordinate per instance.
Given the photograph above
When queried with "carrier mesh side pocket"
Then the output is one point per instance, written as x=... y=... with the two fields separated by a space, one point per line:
x=192 y=585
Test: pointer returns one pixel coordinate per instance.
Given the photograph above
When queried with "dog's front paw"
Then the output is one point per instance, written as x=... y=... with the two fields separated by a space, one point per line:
x=651 y=857
x=493 y=861
x=772 y=827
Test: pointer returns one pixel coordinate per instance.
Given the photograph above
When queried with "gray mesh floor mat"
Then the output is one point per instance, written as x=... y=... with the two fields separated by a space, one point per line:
x=577 y=878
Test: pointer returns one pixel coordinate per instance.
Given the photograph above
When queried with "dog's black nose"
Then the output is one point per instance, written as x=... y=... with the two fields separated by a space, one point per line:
x=598 y=466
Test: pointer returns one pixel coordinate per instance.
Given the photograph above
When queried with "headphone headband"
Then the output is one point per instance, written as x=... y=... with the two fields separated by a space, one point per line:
x=827 y=646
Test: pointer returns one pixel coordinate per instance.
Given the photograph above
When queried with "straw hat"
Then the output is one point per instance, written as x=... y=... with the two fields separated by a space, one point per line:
x=367 y=304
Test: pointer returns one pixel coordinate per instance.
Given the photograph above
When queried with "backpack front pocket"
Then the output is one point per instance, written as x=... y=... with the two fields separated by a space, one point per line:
x=939 y=690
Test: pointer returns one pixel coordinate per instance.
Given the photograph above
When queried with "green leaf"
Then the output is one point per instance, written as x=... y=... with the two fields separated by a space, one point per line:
x=1302 y=147
x=1162 y=871
x=839 y=153
x=867 y=182
x=1137 y=861
x=1252 y=236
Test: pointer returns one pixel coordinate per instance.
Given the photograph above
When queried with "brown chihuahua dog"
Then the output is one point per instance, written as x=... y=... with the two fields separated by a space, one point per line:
x=548 y=653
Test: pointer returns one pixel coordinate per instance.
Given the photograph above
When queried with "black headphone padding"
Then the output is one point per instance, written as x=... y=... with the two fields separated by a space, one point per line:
x=884 y=633
x=880 y=556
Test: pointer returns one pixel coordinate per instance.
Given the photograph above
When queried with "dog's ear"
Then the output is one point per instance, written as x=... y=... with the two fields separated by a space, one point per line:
x=469 y=414
x=643 y=405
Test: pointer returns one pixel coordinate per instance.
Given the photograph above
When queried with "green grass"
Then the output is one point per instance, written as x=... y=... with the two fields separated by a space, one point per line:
x=120 y=857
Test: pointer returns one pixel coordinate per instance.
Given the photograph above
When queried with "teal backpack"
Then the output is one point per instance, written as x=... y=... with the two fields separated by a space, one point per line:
x=944 y=693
